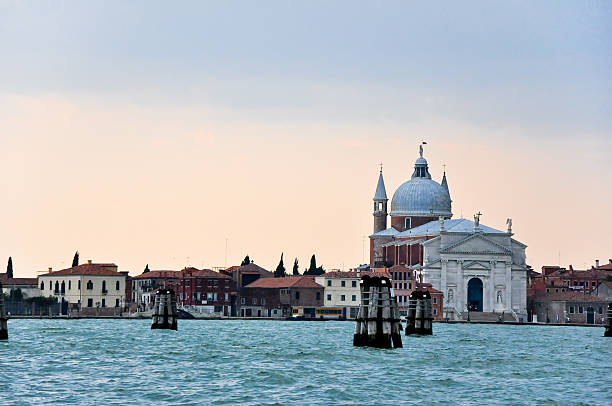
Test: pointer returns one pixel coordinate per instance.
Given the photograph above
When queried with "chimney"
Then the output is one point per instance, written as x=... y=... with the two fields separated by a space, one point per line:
x=596 y=263
x=610 y=261
x=50 y=270
x=89 y=261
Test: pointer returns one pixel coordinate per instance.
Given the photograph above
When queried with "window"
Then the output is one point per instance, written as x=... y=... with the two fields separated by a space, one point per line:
x=318 y=295
x=89 y=285
x=354 y=298
x=409 y=285
x=343 y=284
x=342 y=298
x=56 y=287
x=297 y=295
x=435 y=300
x=435 y=312
x=571 y=309
x=199 y=295
x=263 y=300
x=328 y=283
x=354 y=284
x=63 y=289
x=215 y=296
x=600 y=311
x=103 y=302
x=181 y=296
x=328 y=297
x=89 y=302
x=116 y=302
x=104 y=287
x=254 y=300
x=209 y=296
x=227 y=297
x=242 y=300
x=117 y=284
x=407 y=222
x=547 y=290
x=580 y=309
x=556 y=290
x=69 y=284
x=42 y=285
x=79 y=284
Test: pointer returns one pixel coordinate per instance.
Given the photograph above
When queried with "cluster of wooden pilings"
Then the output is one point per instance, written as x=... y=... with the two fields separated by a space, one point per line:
x=378 y=321
x=165 y=314
x=608 y=332
x=3 y=318
x=420 y=317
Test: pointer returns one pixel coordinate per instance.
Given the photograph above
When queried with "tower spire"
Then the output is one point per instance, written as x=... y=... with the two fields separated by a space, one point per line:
x=380 y=204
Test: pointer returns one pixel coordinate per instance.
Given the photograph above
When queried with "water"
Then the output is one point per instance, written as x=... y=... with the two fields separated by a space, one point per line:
x=94 y=362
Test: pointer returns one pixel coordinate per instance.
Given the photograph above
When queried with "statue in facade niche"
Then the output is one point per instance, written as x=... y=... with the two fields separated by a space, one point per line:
x=499 y=296
x=450 y=296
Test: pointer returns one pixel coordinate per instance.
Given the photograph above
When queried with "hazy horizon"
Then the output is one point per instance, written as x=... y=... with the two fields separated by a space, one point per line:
x=150 y=133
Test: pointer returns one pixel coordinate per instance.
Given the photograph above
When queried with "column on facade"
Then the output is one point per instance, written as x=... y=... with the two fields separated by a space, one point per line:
x=492 y=293
x=461 y=301
x=508 y=293
x=443 y=267
x=409 y=254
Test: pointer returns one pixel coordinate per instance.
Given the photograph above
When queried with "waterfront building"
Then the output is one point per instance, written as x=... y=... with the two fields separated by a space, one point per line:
x=276 y=297
x=242 y=276
x=27 y=286
x=477 y=268
x=553 y=277
x=569 y=307
x=88 y=289
x=205 y=291
x=341 y=290
x=145 y=285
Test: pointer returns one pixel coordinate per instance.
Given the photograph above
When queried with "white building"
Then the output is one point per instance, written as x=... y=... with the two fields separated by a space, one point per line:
x=342 y=290
x=478 y=268
x=88 y=289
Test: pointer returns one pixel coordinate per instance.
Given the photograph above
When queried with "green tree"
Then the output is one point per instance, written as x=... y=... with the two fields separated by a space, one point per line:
x=245 y=261
x=9 y=268
x=146 y=269
x=75 y=260
x=296 y=269
x=313 y=269
x=16 y=295
x=280 y=269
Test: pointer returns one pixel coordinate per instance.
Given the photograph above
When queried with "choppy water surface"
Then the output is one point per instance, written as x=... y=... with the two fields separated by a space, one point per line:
x=271 y=362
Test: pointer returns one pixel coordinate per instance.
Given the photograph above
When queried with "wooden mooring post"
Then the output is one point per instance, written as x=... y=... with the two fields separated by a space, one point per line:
x=420 y=318
x=608 y=332
x=165 y=314
x=3 y=318
x=378 y=323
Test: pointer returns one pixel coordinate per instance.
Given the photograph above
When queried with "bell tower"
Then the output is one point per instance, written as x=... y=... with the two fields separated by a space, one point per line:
x=380 y=205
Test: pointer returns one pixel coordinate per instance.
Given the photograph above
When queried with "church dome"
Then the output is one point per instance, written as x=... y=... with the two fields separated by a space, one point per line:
x=421 y=196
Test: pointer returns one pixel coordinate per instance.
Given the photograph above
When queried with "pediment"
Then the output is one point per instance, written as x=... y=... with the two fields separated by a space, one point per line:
x=477 y=265
x=476 y=244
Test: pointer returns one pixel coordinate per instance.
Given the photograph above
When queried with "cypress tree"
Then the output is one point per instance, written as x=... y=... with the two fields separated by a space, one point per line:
x=75 y=260
x=9 y=268
x=314 y=269
x=296 y=269
x=245 y=261
x=280 y=269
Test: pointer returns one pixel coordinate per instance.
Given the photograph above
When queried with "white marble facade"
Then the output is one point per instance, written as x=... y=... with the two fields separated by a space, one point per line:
x=482 y=268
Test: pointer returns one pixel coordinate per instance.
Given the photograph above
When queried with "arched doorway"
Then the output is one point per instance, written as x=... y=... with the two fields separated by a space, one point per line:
x=474 y=301
x=590 y=315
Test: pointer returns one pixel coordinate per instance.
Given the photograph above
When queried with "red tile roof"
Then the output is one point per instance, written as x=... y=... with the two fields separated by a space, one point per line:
x=5 y=280
x=87 y=269
x=159 y=274
x=287 y=282
x=206 y=273
x=353 y=274
x=606 y=267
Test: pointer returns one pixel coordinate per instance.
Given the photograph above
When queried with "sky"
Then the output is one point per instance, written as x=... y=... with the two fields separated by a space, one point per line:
x=195 y=133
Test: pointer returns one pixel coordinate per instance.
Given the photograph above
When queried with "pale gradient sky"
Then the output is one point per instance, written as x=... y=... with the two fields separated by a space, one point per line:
x=149 y=132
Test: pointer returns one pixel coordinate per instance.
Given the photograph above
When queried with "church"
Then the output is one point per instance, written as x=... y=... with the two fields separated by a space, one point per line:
x=481 y=271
